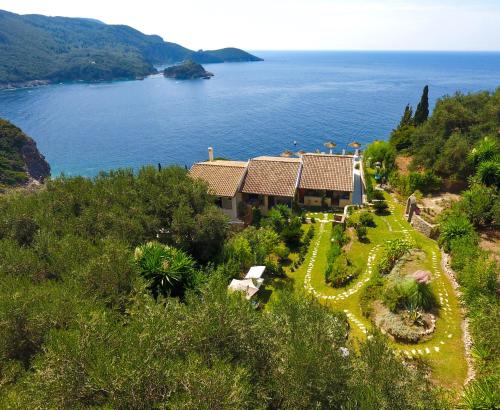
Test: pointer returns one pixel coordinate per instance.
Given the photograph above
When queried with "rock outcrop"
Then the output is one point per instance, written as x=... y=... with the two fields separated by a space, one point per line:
x=20 y=159
x=188 y=70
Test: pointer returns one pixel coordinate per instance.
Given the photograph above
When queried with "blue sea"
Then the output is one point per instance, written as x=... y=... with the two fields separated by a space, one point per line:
x=290 y=101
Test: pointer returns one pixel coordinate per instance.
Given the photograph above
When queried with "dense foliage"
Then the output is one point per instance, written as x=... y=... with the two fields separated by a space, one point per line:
x=478 y=276
x=393 y=250
x=458 y=143
x=35 y=47
x=340 y=270
x=442 y=142
x=168 y=270
x=88 y=271
x=19 y=157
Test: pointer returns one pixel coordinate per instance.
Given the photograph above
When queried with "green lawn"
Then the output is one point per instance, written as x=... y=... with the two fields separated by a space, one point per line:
x=445 y=350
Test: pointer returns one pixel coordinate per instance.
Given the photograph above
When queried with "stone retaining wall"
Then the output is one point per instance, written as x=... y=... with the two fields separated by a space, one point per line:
x=423 y=226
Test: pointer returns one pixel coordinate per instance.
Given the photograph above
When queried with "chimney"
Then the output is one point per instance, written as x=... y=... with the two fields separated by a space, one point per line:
x=343 y=152
x=210 y=154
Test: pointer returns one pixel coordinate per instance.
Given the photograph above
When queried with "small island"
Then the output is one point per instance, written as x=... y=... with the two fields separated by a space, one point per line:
x=187 y=70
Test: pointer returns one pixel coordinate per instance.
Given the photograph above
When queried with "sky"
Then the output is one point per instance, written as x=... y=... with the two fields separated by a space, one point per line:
x=470 y=25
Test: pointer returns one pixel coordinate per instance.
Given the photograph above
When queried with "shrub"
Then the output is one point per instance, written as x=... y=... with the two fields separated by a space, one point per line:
x=256 y=216
x=401 y=331
x=282 y=251
x=488 y=173
x=416 y=181
x=292 y=232
x=378 y=195
x=477 y=204
x=380 y=207
x=383 y=152
x=481 y=394
x=366 y=219
x=169 y=271
x=313 y=220
x=454 y=227
x=361 y=232
x=239 y=250
x=371 y=292
x=341 y=272
x=393 y=250
x=334 y=251
x=338 y=235
x=409 y=294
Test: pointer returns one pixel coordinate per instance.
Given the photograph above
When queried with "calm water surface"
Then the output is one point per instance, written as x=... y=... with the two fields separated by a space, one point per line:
x=247 y=109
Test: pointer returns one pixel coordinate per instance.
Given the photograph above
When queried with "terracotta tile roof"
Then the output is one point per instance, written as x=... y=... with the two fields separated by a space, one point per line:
x=327 y=172
x=272 y=176
x=223 y=177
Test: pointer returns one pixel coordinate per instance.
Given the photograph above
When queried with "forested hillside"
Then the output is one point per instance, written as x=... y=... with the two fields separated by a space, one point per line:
x=35 y=47
x=19 y=157
x=113 y=294
x=442 y=142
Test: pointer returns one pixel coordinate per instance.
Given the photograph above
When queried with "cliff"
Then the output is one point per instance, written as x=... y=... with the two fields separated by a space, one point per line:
x=20 y=159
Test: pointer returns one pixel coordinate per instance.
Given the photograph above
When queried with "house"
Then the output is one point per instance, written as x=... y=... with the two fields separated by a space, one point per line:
x=326 y=180
x=323 y=180
x=224 y=179
x=271 y=181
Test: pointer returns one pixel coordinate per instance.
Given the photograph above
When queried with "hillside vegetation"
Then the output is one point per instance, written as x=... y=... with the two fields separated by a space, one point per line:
x=35 y=47
x=442 y=143
x=19 y=157
x=459 y=142
x=113 y=294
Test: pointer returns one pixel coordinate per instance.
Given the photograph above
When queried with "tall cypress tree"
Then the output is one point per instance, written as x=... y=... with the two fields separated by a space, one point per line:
x=422 y=111
x=407 y=118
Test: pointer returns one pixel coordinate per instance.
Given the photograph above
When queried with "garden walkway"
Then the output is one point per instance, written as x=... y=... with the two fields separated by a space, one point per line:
x=445 y=349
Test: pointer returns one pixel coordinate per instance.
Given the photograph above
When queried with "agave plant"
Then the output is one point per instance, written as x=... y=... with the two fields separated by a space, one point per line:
x=480 y=394
x=168 y=270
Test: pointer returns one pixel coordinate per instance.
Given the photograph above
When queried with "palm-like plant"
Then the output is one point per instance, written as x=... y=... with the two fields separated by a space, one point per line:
x=168 y=270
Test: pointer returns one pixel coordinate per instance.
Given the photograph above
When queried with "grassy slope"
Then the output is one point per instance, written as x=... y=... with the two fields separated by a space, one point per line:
x=448 y=364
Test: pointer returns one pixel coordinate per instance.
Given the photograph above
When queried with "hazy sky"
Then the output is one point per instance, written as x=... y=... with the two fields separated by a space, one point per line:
x=296 y=24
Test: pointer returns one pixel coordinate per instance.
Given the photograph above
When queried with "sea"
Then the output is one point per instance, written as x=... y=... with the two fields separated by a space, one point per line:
x=291 y=101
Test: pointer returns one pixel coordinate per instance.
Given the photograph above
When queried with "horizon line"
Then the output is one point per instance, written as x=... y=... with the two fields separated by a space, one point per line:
x=369 y=50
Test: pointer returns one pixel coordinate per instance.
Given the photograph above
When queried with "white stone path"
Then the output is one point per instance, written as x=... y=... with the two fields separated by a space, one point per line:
x=442 y=292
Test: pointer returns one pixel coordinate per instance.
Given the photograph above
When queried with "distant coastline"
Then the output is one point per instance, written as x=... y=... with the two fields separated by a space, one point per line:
x=38 y=50
x=246 y=110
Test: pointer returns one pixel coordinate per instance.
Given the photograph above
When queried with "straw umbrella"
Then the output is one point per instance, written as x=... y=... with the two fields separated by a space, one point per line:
x=287 y=153
x=356 y=145
x=330 y=145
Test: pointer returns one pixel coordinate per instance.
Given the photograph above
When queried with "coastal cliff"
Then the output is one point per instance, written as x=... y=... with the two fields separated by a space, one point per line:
x=20 y=159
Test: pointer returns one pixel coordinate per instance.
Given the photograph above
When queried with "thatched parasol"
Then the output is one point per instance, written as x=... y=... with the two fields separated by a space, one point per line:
x=330 y=145
x=287 y=153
